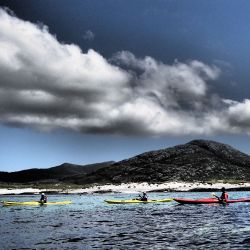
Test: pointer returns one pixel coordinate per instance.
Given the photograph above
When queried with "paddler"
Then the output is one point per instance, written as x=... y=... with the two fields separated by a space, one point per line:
x=43 y=198
x=224 y=196
x=143 y=197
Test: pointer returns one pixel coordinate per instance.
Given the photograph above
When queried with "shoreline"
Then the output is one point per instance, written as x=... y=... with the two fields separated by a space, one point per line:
x=133 y=188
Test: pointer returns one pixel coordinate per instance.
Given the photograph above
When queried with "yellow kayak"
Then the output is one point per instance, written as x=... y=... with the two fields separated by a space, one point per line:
x=136 y=201
x=34 y=203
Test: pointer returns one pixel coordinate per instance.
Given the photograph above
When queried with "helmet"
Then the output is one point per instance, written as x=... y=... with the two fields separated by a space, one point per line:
x=43 y=194
x=223 y=189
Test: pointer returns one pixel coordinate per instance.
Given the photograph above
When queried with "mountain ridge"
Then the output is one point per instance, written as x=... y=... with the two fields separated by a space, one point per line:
x=198 y=160
x=52 y=174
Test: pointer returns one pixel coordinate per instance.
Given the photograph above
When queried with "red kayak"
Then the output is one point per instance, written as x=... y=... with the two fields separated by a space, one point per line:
x=208 y=200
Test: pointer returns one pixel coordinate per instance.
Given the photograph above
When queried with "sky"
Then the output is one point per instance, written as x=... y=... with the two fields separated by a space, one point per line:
x=92 y=81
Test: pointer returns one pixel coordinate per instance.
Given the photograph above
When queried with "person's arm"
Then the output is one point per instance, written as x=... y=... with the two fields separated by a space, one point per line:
x=217 y=197
x=139 y=197
x=226 y=196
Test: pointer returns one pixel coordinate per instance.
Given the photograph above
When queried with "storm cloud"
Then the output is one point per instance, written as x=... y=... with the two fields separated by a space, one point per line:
x=46 y=84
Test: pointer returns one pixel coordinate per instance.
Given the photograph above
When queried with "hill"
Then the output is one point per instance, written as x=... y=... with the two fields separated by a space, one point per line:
x=53 y=174
x=198 y=160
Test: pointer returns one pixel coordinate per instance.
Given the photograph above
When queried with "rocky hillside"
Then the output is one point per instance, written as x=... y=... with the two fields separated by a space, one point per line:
x=53 y=174
x=198 y=160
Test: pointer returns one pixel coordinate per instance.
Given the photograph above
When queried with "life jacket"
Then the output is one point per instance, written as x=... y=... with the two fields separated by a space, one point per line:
x=224 y=196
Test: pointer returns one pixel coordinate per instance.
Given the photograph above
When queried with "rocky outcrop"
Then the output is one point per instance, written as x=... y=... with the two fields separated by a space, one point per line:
x=198 y=160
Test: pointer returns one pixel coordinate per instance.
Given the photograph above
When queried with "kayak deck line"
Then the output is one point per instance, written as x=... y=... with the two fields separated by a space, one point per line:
x=34 y=203
x=208 y=201
x=136 y=201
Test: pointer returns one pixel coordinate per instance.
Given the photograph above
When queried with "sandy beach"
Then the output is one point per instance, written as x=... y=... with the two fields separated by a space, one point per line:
x=132 y=188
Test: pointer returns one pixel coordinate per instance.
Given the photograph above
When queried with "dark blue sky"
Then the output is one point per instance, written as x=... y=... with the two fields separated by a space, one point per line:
x=164 y=29
x=213 y=32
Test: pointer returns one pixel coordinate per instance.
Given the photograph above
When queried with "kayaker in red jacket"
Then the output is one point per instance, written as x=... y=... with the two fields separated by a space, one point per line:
x=224 y=195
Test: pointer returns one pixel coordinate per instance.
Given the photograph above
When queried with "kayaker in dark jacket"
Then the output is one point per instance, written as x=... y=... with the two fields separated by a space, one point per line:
x=43 y=198
x=143 y=197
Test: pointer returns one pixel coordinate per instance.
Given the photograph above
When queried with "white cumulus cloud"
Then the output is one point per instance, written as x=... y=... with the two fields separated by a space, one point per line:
x=46 y=84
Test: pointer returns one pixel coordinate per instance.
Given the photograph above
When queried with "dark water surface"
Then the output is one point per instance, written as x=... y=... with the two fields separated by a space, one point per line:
x=89 y=223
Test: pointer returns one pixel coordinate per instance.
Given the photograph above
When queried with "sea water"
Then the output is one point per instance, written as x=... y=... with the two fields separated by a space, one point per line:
x=90 y=223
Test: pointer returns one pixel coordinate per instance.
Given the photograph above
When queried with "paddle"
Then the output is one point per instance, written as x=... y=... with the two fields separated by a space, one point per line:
x=138 y=197
x=219 y=199
x=213 y=194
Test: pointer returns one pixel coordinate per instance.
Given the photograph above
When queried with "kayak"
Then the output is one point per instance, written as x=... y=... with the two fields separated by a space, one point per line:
x=34 y=203
x=136 y=201
x=208 y=201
